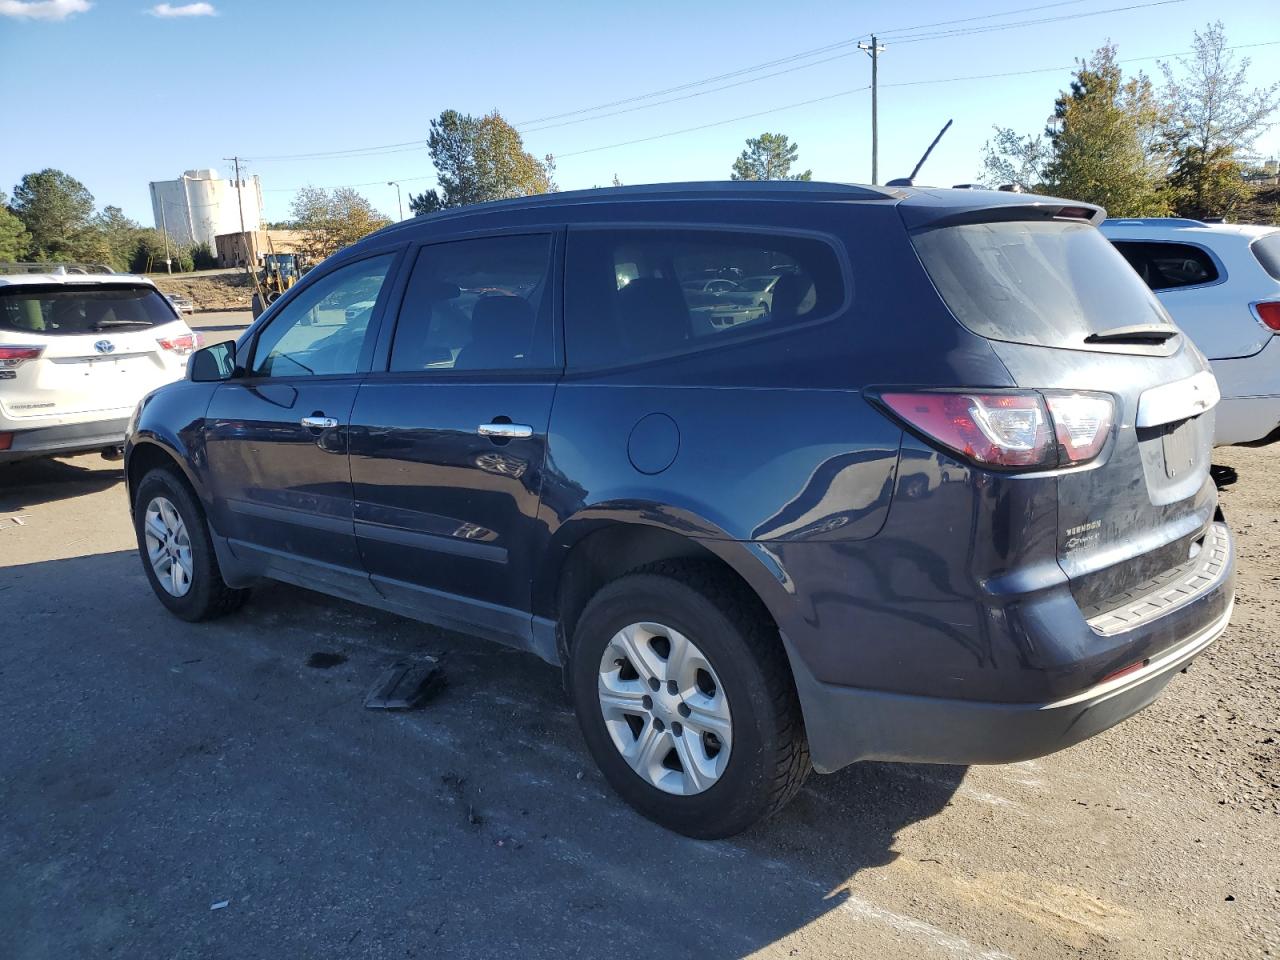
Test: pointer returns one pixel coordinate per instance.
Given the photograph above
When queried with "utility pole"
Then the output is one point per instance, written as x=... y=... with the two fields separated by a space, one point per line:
x=244 y=237
x=873 y=50
x=168 y=262
x=399 y=203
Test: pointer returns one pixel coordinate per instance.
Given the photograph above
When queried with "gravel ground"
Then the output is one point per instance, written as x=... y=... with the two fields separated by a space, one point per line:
x=152 y=770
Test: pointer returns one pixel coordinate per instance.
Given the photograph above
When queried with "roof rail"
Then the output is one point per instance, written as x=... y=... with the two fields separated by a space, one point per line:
x=1155 y=222
x=54 y=269
x=712 y=189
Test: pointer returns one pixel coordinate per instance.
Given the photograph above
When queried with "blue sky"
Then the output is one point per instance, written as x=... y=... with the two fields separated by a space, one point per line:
x=120 y=93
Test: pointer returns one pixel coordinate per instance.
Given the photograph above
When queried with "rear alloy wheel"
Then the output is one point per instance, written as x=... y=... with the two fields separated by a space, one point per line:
x=685 y=699
x=665 y=709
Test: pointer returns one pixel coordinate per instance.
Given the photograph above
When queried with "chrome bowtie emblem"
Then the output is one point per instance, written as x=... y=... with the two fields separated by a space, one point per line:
x=104 y=346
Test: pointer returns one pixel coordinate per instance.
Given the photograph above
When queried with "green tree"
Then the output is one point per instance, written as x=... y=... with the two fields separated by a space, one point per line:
x=479 y=159
x=14 y=239
x=1011 y=158
x=1103 y=140
x=55 y=208
x=1213 y=119
x=329 y=222
x=149 y=253
x=116 y=236
x=768 y=157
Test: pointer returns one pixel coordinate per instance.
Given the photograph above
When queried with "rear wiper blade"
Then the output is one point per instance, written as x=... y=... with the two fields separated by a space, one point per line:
x=1141 y=332
x=103 y=324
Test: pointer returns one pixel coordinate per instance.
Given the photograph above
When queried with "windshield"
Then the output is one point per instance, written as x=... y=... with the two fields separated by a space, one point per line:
x=1046 y=283
x=61 y=309
x=753 y=284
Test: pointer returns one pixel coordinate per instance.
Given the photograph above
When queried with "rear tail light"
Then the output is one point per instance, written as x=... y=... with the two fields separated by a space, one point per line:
x=182 y=345
x=1082 y=422
x=6 y=441
x=1268 y=312
x=1011 y=430
x=13 y=354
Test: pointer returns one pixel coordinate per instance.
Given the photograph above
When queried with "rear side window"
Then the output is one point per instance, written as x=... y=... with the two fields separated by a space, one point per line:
x=1165 y=266
x=631 y=295
x=1267 y=250
x=477 y=305
x=60 y=309
x=1048 y=283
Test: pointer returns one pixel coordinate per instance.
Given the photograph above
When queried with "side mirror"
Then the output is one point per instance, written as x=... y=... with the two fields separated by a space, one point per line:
x=213 y=363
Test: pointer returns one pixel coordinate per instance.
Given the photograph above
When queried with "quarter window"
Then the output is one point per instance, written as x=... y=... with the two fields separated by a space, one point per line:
x=631 y=295
x=477 y=305
x=1165 y=266
x=323 y=331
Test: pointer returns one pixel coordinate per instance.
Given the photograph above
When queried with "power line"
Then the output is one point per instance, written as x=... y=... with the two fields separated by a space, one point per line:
x=802 y=103
x=985 y=16
x=990 y=28
x=716 y=123
x=378 y=149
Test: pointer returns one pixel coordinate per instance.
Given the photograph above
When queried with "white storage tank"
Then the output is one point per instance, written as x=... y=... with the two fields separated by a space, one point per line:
x=197 y=207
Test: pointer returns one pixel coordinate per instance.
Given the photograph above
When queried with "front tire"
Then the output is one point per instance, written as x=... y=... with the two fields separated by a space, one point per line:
x=686 y=700
x=177 y=551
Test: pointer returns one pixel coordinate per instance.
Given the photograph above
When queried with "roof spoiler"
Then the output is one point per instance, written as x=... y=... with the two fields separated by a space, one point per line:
x=922 y=214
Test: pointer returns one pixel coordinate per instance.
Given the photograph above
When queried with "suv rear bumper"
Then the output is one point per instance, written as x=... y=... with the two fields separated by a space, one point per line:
x=65 y=439
x=847 y=724
x=872 y=725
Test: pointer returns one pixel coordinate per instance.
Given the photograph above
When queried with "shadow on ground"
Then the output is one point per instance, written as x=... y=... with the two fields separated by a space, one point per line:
x=155 y=768
x=31 y=482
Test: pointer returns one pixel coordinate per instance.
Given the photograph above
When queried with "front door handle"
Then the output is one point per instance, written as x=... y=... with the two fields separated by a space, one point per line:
x=319 y=423
x=505 y=431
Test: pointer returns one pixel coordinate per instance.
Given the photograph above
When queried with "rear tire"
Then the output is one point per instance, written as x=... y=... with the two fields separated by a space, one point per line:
x=671 y=606
x=170 y=525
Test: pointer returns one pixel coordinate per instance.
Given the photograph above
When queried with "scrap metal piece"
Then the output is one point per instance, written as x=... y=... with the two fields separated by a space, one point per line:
x=406 y=686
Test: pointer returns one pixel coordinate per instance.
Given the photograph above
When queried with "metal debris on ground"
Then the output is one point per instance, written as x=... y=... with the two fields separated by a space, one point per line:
x=219 y=905
x=406 y=686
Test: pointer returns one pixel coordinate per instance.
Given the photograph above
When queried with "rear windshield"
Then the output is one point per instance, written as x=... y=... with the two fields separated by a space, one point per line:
x=1046 y=283
x=1267 y=250
x=62 y=309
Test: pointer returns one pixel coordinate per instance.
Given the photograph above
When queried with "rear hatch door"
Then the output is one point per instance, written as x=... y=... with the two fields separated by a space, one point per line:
x=1064 y=312
x=101 y=347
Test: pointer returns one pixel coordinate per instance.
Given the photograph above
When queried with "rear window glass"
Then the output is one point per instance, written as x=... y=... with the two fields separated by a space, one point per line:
x=635 y=294
x=1045 y=283
x=1267 y=250
x=1165 y=266
x=61 y=309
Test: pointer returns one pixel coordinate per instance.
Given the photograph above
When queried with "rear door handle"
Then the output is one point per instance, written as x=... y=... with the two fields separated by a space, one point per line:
x=319 y=423
x=506 y=431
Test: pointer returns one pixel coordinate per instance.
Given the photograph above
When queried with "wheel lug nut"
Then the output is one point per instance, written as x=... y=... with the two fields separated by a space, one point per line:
x=658 y=724
x=677 y=728
x=684 y=710
x=648 y=702
x=672 y=687
x=654 y=683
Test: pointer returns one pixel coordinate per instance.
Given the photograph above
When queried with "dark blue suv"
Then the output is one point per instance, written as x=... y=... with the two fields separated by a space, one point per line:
x=784 y=475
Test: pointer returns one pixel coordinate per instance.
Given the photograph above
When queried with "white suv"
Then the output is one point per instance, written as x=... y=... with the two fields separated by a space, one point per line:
x=78 y=350
x=1221 y=283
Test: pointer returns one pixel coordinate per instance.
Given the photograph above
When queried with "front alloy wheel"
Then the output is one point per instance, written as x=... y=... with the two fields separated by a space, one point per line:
x=168 y=546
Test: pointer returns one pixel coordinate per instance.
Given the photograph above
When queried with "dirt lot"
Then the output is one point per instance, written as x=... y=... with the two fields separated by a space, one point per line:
x=212 y=290
x=152 y=769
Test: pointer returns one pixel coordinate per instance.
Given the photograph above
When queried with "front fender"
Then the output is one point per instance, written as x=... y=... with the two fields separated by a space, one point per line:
x=172 y=419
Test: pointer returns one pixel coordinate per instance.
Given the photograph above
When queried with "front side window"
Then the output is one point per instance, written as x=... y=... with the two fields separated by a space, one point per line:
x=323 y=331
x=631 y=295
x=1165 y=266
x=480 y=304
